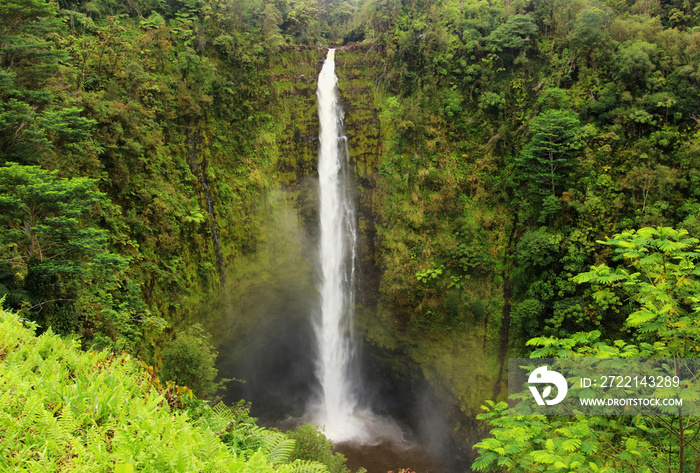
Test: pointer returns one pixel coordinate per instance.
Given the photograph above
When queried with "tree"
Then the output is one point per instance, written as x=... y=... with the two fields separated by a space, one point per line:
x=16 y=15
x=588 y=27
x=659 y=277
x=28 y=61
x=547 y=158
x=44 y=217
x=271 y=20
x=649 y=185
x=189 y=361
x=515 y=35
x=635 y=64
x=549 y=444
x=50 y=241
x=302 y=23
x=310 y=444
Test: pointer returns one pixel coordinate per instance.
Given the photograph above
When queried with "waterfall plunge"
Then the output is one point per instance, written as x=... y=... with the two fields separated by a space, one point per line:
x=337 y=408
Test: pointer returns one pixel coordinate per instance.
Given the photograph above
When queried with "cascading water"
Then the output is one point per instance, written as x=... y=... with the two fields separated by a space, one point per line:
x=336 y=408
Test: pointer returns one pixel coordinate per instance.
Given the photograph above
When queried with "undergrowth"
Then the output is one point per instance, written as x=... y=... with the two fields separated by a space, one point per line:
x=62 y=409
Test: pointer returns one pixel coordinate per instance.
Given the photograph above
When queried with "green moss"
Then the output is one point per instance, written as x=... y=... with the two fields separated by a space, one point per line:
x=280 y=261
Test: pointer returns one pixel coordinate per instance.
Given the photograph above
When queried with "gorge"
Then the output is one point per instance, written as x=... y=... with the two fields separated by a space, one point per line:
x=352 y=381
x=159 y=197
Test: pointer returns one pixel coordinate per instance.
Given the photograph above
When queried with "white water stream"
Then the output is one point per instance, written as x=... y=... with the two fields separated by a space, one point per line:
x=336 y=409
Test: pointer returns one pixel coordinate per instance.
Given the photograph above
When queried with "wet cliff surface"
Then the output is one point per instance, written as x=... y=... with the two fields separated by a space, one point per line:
x=266 y=337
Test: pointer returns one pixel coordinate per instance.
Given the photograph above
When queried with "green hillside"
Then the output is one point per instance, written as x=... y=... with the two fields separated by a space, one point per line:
x=63 y=409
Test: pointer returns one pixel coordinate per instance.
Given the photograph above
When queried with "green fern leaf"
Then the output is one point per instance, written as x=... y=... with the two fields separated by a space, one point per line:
x=258 y=464
x=280 y=453
x=303 y=466
x=210 y=445
x=220 y=417
x=67 y=420
x=484 y=460
x=5 y=401
x=249 y=438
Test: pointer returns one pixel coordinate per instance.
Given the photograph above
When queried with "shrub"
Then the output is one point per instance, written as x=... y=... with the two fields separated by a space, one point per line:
x=313 y=445
x=189 y=361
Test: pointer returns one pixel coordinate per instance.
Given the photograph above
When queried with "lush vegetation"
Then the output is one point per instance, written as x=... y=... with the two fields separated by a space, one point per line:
x=62 y=409
x=504 y=150
x=136 y=139
x=526 y=142
x=657 y=275
x=521 y=135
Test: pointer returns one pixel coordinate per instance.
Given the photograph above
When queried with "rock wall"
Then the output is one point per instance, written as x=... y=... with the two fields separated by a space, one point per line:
x=404 y=373
x=295 y=74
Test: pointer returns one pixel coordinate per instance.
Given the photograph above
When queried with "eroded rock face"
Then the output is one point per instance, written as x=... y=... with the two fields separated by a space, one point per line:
x=403 y=373
x=295 y=74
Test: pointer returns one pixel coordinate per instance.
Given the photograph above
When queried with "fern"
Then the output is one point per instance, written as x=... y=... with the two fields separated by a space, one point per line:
x=92 y=411
x=220 y=417
x=209 y=446
x=248 y=438
x=67 y=420
x=281 y=450
x=303 y=466
x=5 y=400
x=258 y=464
x=32 y=409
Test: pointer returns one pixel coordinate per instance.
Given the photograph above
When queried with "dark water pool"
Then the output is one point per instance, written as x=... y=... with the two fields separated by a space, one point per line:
x=387 y=457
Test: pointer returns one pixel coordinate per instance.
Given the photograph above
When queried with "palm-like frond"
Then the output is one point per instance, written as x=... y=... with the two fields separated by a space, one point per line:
x=280 y=448
x=303 y=466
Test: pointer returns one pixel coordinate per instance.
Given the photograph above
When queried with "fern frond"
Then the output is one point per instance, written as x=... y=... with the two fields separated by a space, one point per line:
x=5 y=401
x=67 y=420
x=248 y=437
x=223 y=411
x=303 y=466
x=258 y=464
x=33 y=408
x=270 y=439
x=281 y=452
x=209 y=446
x=220 y=417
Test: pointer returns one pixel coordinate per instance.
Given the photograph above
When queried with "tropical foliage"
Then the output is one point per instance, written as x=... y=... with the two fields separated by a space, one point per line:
x=500 y=144
x=62 y=409
x=657 y=283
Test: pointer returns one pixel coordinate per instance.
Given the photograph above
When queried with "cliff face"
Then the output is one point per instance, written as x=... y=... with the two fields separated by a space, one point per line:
x=295 y=74
x=272 y=293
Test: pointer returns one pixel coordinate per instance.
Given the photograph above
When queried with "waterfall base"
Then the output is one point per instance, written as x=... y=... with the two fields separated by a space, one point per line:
x=381 y=447
x=361 y=428
x=388 y=456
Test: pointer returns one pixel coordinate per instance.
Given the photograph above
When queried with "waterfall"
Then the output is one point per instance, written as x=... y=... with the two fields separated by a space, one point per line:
x=336 y=408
